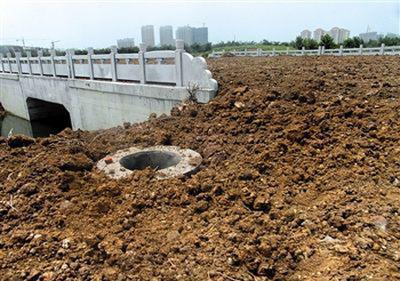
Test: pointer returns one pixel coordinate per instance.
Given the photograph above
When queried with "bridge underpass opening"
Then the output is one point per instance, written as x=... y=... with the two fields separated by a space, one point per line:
x=47 y=117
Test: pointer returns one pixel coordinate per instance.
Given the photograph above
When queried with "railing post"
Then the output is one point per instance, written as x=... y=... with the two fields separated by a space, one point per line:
x=70 y=61
x=382 y=52
x=28 y=56
x=53 y=63
x=40 y=54
x=2 y=63
x=323 y=50
x=287 y=51
x=303 y=49
x=9 y=62
x=273 y=52
x=180 y=48
x=90 y=52
x=114 y=51
x=341 y=50
x=18 y=61
x=142 y=62
x=360 y=50
x=258 y=52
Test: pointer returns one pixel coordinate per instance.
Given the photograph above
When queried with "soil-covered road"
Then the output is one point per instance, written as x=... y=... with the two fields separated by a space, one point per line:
x=300 y=181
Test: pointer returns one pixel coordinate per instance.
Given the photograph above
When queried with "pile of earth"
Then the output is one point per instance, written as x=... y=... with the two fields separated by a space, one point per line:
x=300 y=181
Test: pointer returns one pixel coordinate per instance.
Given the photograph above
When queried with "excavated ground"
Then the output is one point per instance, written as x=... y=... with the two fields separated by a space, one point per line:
x=300 y=181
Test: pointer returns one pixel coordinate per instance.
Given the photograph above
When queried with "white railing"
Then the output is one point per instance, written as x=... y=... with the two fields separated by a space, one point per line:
x=176 y=68
x=382 y=50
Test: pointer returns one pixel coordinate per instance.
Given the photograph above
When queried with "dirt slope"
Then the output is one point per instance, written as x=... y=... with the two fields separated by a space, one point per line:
x=300 y=181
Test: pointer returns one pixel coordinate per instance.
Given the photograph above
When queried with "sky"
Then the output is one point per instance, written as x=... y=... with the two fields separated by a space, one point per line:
x=89 y=23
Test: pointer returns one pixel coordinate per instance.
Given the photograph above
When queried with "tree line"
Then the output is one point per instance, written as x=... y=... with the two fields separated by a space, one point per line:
x=353 y=42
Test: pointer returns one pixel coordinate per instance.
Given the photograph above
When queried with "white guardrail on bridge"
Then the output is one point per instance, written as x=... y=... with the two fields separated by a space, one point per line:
x=176 y=68
x=382 y=50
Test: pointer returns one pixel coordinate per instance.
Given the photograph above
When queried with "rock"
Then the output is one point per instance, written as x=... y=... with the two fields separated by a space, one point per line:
x=379 y=222
x=47 y=276
x=66 y=243
x=329 y=239
x=29 y=189
x=239 y=104
x=261 y=203
x=108 y=160
x=201 y=206
x=241 y=90
x=20 y=141
x=33 y=275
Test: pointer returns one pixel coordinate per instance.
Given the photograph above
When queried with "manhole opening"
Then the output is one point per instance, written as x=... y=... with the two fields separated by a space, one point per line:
x=157 y=160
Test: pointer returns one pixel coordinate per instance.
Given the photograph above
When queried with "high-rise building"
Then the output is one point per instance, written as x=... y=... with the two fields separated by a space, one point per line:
x=200 y=35
x=126 y=43
x=305 y=34
x=192 y=35
x=339 y=34
x=166 y=36
x=335 y=33
x=343 y=35
x=318 y=33
x=148 y=35
x=368 y=36
x=185 y=33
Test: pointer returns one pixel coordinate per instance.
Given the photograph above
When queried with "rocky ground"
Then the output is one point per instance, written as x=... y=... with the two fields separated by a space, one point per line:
x=300 y=181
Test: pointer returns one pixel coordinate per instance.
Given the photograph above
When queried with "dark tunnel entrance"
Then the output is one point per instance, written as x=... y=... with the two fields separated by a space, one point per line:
x=47 y=117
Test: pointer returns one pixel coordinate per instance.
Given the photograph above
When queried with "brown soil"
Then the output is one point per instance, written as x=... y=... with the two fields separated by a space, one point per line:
x=300 y=181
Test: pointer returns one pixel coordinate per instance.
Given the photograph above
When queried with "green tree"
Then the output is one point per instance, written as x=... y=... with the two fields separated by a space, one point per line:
x=298 y=43
x=327 y=41
x=310 y=44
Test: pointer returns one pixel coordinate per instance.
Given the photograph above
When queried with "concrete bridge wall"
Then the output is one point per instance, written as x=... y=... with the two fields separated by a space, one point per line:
x=91 y=104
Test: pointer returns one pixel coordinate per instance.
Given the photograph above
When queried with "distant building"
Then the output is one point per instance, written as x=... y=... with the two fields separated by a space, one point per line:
x=344 y=34
x=318 y=33
x=305 y=34
x=148 y=35
x=185 y=33
x=335 y=34
x=369 y=36
x=339 y=34
x=126 y=43
x=200 y=35
x=192 y=35
x=166 y=36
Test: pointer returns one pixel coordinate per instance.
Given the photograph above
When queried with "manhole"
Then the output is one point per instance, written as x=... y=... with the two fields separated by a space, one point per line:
x=168 y=161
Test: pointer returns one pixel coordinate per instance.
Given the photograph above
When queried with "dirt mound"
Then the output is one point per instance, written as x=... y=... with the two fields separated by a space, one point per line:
x=300 y=181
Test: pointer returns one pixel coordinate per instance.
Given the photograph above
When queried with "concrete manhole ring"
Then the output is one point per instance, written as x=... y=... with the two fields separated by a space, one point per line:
x=168 y=161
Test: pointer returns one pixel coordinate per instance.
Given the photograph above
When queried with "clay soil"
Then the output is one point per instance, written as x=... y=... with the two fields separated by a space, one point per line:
x=300 y=181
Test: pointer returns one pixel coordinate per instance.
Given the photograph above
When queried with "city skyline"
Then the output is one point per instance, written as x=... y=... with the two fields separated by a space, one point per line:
x=226 y=21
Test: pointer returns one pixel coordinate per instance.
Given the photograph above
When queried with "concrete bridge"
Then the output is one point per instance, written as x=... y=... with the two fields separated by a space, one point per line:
x=102 y=91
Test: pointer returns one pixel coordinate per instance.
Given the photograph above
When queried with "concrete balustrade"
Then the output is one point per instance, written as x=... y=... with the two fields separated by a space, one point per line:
x=382 y=50
x=160 y=67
